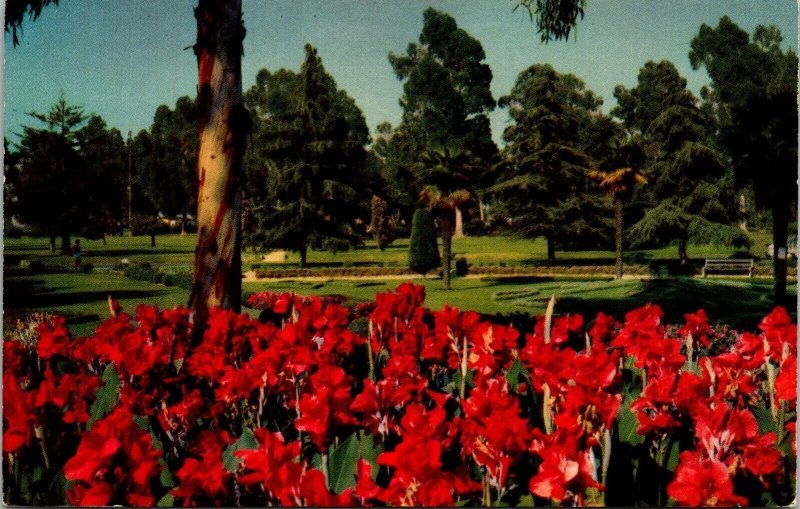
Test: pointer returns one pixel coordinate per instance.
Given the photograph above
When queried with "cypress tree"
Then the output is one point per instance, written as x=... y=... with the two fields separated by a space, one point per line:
x=423 y=252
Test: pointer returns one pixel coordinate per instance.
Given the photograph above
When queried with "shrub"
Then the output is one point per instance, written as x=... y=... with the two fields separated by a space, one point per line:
x=462 y=269
x=87 y=267
x=36 y=266
x=423 y=251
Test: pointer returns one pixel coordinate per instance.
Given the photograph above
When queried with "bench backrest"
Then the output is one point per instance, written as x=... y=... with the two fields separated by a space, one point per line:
x=730 y=263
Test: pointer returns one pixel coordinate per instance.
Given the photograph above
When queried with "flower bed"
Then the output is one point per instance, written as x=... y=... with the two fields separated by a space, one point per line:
x=427 y=408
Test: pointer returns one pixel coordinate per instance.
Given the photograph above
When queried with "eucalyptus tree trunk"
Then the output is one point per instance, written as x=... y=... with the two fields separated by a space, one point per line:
x=223 y=127
x=618 y=234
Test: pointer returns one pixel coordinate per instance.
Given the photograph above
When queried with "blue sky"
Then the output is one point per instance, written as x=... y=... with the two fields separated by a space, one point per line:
x=122 y=58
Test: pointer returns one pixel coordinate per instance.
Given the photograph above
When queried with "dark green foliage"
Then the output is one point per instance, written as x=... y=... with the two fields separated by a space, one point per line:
x=690 y=194
x=306 y=177
x=462 y=268
x=554 y=19
x=446 y=101
x=165 y=162
x=48 y=181
x=754 y=100
x=246 y=441
x=87 y=267
x=381 y=225
x=16 y=11
x=144 y=272
x=144 y=224
x=542 y=187
x=423 y=252
x=343 y=460
x=66 y=177
x=106 y=397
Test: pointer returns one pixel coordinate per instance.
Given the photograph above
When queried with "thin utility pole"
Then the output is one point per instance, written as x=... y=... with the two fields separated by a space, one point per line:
x=130 y=184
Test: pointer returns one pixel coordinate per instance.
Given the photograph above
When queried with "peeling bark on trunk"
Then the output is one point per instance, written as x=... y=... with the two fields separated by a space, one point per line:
x=223 y=126
x=780 y=234
x=481 y=210
x=618 y=234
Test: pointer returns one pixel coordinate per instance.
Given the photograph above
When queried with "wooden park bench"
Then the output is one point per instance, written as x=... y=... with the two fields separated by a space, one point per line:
x=729 y=266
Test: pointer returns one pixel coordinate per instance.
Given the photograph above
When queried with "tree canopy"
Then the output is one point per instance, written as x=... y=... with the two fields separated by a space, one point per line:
x=690 y=193
x=754 y=97
x=543 y=188
x=309 y=163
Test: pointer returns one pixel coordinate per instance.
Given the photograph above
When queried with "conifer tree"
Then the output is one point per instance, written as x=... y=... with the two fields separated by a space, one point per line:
x=315 y=164
x=423 y=252
x=691 y=188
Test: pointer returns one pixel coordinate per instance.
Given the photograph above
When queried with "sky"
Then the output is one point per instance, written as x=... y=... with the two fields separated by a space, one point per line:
x=123 y=58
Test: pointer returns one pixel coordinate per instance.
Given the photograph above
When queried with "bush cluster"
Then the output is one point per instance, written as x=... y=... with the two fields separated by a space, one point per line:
x=145 y=272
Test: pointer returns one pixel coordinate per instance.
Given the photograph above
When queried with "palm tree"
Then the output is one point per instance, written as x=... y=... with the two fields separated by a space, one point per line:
x=443 y=172
x=444 y=207
x=622 y=173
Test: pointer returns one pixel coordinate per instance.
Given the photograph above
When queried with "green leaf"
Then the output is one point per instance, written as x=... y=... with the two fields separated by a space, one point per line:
x=244 y=442
x=38 y=473
x=525 y=501
x=628 y=423
x=142 y=421
x=342 y=461
x=764 y=419
x=674 y=456
x=516 y=370
x=166 y=478
x=167 y=500
x=106 y=396
x=368 y=451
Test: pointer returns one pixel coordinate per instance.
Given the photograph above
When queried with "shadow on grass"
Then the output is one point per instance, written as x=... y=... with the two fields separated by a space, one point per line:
x=134 y=252
x=739 y=304
x=33 y=294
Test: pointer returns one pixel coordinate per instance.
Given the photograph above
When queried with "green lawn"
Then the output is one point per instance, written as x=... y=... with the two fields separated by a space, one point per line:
x=737 y=302
x=82 y=297
x=178 y=251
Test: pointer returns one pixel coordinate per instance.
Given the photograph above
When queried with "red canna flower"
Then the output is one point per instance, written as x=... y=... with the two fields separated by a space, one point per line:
x=702 y=482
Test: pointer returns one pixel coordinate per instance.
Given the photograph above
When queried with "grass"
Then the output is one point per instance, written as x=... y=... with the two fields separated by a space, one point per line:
x=82 y=297
x=741 y=303
x=178 y=251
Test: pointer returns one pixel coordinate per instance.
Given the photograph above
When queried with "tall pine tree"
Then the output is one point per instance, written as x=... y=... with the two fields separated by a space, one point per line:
x=544 y=189
x=314 y=162
x=446 y=100
x=691 y=191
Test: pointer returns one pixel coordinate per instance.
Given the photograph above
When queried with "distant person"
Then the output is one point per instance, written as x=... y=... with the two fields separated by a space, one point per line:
x=76 y=253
